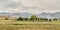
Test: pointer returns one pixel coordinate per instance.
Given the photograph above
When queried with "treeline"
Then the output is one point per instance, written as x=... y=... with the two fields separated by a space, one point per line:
x=35 y=18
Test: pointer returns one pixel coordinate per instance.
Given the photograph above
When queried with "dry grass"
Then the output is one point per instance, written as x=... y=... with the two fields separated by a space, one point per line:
x=22 y=25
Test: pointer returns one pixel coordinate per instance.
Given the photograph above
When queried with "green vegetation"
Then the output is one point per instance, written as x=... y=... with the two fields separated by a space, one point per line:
x=6 y=18
x=35 y=18
x=20 y=18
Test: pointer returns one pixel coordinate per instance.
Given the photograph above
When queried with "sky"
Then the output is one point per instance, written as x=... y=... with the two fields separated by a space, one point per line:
x=31 y=6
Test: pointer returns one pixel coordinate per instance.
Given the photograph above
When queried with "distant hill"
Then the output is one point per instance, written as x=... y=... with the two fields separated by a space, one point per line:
x=24 y=14
x=50 y=15
x=27 y=14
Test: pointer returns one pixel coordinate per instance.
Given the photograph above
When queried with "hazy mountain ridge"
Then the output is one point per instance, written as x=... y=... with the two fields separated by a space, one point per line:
x=26 y=14
x=50 y=15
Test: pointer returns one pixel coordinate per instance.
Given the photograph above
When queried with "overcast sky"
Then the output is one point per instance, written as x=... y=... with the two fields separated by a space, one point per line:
x=32 y=6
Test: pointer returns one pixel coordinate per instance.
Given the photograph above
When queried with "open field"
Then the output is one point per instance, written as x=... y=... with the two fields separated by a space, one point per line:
x=27 y=25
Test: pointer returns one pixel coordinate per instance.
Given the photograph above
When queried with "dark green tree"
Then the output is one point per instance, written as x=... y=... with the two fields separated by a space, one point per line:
x=55 y=19
x=26 y=19
x=6 y=18
x=41 y=19
x=33 y=18
x=20 y=18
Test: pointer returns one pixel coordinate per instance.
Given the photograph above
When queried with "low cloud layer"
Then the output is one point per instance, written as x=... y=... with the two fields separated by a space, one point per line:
x=33 y=6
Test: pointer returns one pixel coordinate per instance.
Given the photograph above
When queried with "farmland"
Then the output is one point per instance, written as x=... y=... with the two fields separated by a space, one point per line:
x=28 y=25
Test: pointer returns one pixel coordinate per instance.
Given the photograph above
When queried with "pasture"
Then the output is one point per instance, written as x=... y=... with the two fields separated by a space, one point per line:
x=27 y=25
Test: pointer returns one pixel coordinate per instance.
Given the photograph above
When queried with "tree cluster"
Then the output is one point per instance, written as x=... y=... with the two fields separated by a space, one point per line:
x=34 y=18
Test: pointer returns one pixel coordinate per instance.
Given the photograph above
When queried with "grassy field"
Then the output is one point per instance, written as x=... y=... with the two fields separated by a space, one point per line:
x=27 y=25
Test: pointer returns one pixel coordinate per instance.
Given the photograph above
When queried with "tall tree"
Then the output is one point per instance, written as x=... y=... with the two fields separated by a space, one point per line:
x=20 y=18
x=6 y=18
x=33 y=17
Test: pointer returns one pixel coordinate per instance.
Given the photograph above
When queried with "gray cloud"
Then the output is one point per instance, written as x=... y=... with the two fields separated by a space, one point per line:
x=30 y=5
x=13 y=5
